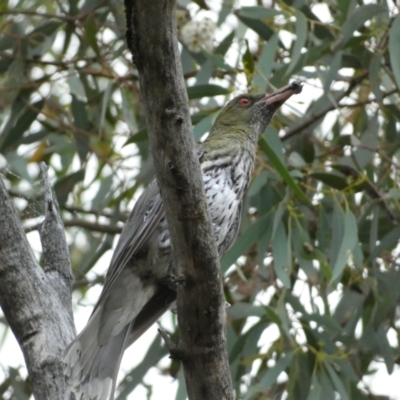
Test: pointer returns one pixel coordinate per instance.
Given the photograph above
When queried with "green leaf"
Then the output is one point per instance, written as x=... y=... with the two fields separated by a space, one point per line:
x=105 y=104
x=349 y=237
x=265 y=63
x=248 y=64
x=334 y=66
x=375 y=69
x=258 y=12
x=205 y=73
x=82 y=125
x=271 y=376
x=387 y=242
x=337 y=382
x=245 y=241
x=243 y=310
x=225 y=44
x=281 y=252
x=181 y=393
x=257 y=26
x=327 y=390
x=365 y=146
x=14 y=135
x=272 y=137
x=300 y=373
x=385 y=349
x=258 y=182
x=218 y=61
x=281 y=169
x=394 y=43
x=65 y=185
x=357 y=19
x=279 y=212
x=324 y=321
x=14 y=81
x=203 y=127
x=154 y=354
x=99 y=201
x=127 y=107
x=18 y=165
x=315 y=389
x=301 y=36
x=199 y=91
x=333 y=179
x=76 y=87
x=41 y=39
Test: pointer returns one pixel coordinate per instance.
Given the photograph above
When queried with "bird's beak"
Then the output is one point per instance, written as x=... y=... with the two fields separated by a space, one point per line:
x=278 y=97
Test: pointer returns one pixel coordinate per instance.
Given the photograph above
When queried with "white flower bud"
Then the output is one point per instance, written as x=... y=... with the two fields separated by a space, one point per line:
x=197 y=35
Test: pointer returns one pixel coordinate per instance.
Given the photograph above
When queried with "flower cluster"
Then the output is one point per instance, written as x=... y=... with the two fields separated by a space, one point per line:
x=198 y=35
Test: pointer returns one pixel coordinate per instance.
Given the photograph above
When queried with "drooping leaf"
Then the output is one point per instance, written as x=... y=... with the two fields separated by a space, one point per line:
x=301 y=36
x=245 y=241
x=394 y=40
x=347 y=243
x=357 y=19
x=64 y=186
x=281 y=169
x=265 y=63
x=270 y=377
x=199 y=91
x=248 y=64
x=257 y=12
x=257 y=26
x=14 y=135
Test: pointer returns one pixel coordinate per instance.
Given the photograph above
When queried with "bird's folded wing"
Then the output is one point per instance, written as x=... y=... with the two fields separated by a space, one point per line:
x=142 y=221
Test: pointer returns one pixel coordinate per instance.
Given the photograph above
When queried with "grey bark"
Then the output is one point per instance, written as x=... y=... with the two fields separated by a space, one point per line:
x=152 y=38
x=37 y=301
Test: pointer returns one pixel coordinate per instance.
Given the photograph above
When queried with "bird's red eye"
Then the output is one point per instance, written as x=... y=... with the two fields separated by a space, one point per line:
x=244 y=101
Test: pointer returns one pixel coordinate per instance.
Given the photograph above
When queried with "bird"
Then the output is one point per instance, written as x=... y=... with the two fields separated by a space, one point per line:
x=136 y=292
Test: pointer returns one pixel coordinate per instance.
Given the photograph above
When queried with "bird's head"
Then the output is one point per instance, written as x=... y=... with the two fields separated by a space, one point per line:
x=251 y=114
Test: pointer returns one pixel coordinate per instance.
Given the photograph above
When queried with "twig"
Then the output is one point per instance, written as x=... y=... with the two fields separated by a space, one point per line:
x=310 y=118
x=369 y=188
x=90 y=226
x=368 y=101
x=174 y=351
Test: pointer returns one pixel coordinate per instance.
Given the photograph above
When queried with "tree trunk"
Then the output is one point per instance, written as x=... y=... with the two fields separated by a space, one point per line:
x=201 y=305
x=37 y=301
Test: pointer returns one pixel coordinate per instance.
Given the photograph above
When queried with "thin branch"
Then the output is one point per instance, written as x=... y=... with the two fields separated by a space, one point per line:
x=104 y=213
x=174 y=351
x=368 y=101
x=93 y=226
x=80 y=223
x=369 y=188
x=63 y=17
x=312 y=117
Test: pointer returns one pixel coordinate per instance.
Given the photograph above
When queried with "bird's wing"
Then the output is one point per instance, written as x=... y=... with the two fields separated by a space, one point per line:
x=145 y=216
x=141 y=223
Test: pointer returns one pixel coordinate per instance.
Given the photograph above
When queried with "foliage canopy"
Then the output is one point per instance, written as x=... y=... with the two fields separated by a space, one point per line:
x=313 y=277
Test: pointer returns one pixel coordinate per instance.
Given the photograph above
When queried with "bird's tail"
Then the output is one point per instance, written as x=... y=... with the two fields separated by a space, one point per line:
x=90 y=369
